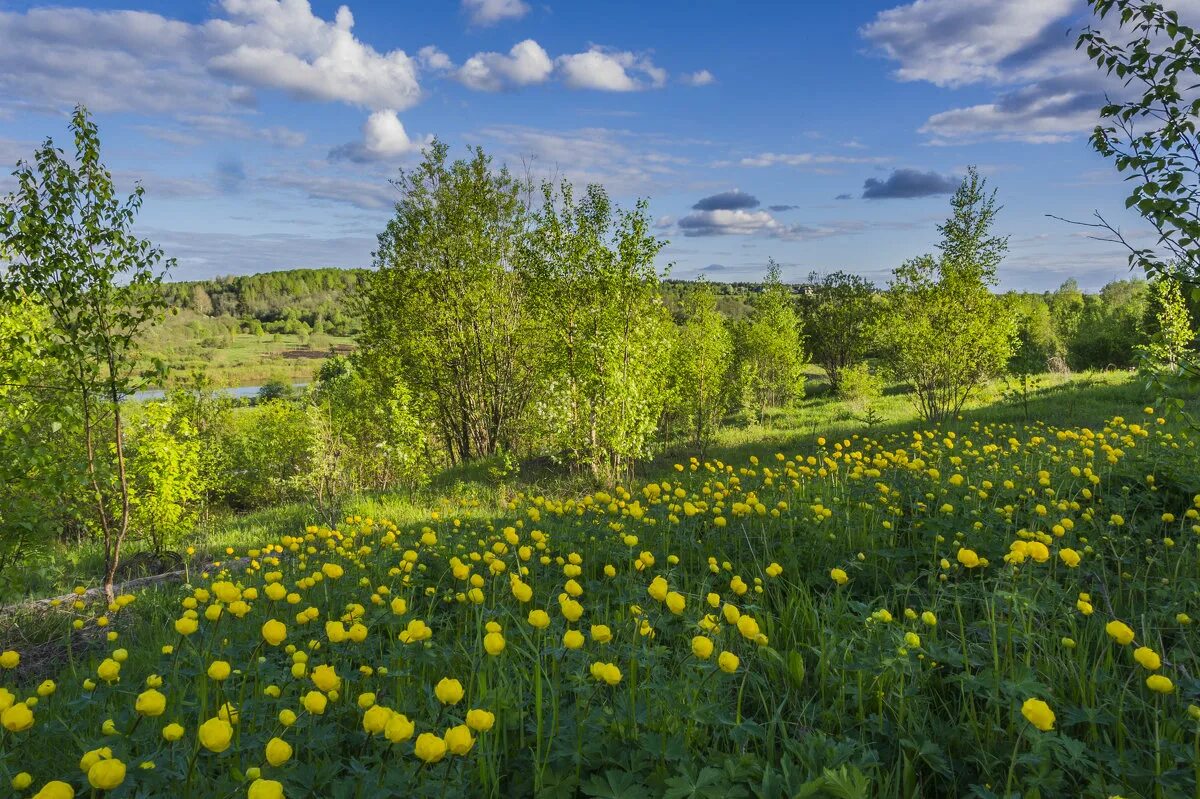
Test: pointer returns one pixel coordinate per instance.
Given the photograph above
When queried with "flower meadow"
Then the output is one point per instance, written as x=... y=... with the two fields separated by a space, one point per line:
x=989 y=610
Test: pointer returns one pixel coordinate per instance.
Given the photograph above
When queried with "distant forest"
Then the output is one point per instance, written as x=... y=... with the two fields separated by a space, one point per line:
x=308 y=301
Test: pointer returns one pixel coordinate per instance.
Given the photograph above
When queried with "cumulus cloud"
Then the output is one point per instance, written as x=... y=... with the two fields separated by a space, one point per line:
x=489 y=12
x=525 y=64
x=283 y=45
x=700 y=78
x=144 y=62
x=729 y=222
x=909 y=184
x=384 y=138
x=431 y=58
x=727 y=201
x=610 y=71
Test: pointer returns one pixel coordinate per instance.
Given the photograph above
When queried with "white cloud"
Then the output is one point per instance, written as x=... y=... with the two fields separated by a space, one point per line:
x=384 y=138
x=1047 y=91
x=139 y=61
x=526 y=63
x=727 y=222
x=700 y=78
x=434 y=59
x=607 y=70
x=489 y=12
x=951 y=43
x=281 y=44
x=805 y=160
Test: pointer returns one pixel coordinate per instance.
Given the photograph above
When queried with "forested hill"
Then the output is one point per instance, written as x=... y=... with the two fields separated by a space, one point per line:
x=317 y=297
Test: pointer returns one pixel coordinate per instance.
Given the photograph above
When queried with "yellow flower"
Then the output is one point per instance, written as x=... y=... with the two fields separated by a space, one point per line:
x=1039 y=714
x=429 y=747
x=606 y=672
x=105 y=775
x=1119 y=631
x=315 y=702
x=9 y=659
x=448 y=691
x=109 y=670
x=287 y=717
x=493 y=643
x=325 y=678
x=774 y=569
x=968 y=558
x=399 y=729
x=601 y=634
x=702 y=647
x=1069 y=557
x=265 y=789
x=215 y=735
x=278 y=751
x=55 y=789
x=172 y=732
x=375 y=719
x=47 y=688
x=459 y=739
x=728 y=662
x=573 y=639
x=150 y=703
x=748 y=627
x=929 y=619
x=219 y=670
x=480 y=720
x=17 y=718
x=22 y=781
x=186 y=626
x=274 y=631
x=1160 y=684
x=839 y=576
x=539 y=619
x=675 y=602
x=1147 y=658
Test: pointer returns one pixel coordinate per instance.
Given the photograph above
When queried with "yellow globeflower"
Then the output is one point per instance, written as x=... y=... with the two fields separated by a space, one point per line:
x=480 y=720
x=1147 y=658
x=375 y=719
x=493 y=643
x=728 y=662
x=265 y=789
x=702 y=647
x=274 y=631
x=150 y=703
x=448 y=691
x=219 y=670
x=278 y=751
x=55 y=789
x=109 y=670
x=21 y=781
x=1119 y=631
x=459 y=739
x=539 y=619
x=968 y=558
x=172 y=732
x=839 y=576
x=105 y=775
x=325 y=678
x=399 y=729
x=9 y=659
x=215 y=735
x=186 y=626
x=315 y=702
x=17 y=718
x=1160 y=684
x=601 y=633
x=675 y=602
x=429 y=747
x=573 y=639
x=1039 y=714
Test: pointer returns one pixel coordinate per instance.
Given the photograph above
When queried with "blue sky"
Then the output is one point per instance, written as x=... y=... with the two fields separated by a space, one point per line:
x=824 y=135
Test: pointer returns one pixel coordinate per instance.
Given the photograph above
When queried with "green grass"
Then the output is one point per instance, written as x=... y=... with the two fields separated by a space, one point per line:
x=839 y=690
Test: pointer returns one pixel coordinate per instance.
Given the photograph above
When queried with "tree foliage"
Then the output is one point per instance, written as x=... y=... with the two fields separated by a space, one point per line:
x=445 y=309
x=836 y=312
x=944 y=332
x=68 y=240
x=770 y=353
x=701 y=363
